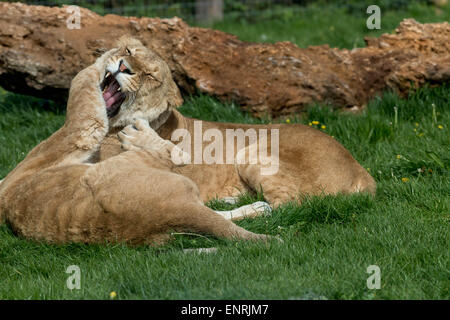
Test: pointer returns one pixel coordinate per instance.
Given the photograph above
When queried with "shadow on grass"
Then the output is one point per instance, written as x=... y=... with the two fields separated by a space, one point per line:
x=17 y=103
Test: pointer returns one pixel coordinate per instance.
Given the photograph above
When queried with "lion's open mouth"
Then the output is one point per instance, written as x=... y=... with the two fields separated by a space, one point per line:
x=112 y=94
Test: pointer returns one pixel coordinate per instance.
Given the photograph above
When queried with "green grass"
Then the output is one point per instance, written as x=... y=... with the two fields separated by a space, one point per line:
x=318 y=25
x=328 y=241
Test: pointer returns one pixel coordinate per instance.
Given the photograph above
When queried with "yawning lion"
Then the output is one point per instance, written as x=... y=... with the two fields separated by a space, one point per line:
x=61 y=193
x=307 y=160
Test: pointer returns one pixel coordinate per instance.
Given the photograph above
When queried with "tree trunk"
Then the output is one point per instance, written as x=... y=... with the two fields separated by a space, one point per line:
x=39 y=56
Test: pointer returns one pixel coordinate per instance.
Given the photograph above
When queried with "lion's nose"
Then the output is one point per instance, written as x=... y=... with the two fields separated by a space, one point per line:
x=123 y=68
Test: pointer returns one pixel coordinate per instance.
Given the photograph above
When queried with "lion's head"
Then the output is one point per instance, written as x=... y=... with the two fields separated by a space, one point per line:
x=137 y=83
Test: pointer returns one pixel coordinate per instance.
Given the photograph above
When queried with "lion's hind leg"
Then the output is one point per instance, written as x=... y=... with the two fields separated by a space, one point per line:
x=142 y=202
x=189 y=211
x=276 y=188
x=202 y=219
x=291 y=184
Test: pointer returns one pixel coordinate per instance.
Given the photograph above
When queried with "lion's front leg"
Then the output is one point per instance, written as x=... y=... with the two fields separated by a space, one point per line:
x=141 y=136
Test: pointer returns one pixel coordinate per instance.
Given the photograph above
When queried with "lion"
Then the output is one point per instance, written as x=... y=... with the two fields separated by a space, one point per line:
x=309 y=162
x=62 y=193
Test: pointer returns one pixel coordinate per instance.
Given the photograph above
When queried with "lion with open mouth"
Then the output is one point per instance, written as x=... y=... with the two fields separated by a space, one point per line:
x=62 y=193
x=309 y=162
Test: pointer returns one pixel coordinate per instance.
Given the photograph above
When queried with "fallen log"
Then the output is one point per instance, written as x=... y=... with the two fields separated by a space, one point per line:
x=40 y=54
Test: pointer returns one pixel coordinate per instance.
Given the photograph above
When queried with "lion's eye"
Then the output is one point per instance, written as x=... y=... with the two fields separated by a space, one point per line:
x=128 y=51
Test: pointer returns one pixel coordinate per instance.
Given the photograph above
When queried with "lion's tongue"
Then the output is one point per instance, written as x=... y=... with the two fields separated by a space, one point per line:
x=111 y=95
x=115 y=97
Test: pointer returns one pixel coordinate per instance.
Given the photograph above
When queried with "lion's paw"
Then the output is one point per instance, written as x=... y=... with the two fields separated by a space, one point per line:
x=140 y=136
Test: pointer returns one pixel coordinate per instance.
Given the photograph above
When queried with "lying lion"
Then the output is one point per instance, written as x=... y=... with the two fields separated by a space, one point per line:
x=308 y=161
x=61 y=193
x=80 y=185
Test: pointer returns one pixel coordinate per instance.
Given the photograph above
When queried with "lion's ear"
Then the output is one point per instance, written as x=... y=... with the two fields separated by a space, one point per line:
x=174 y=98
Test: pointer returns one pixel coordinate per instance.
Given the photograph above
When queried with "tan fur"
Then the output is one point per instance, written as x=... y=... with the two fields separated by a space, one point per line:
x=58 y=193
x=310 y=162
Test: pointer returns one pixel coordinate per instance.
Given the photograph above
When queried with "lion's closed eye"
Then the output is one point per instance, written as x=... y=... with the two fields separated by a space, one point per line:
x=153 y=76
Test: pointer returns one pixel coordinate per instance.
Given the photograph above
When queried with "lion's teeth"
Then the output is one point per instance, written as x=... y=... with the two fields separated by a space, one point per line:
x=119 y=89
